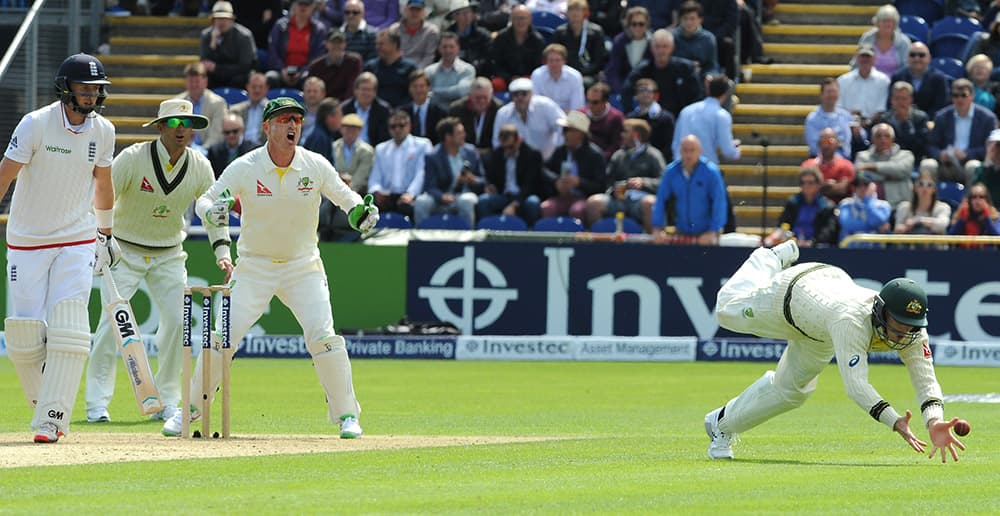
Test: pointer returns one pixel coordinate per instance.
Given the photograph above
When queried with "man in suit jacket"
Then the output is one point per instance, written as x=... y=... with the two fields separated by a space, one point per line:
x=232 y=146
x=424 y=114
x=514 y=184
x=675 y=77
x=351 y=156
x=453 y=176
x=252 y=109
x=960 y=156
x=477 y=111
x=374 y=112
x=206 y=103
x=932 y=94
x=397 y=176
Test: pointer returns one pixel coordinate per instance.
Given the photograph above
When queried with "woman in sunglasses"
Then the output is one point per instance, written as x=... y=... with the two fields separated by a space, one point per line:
x=923 y=214
x=976 y=215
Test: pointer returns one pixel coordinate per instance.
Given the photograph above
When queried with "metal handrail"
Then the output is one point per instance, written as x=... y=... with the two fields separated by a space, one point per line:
x=873 y=238
x=22 y=32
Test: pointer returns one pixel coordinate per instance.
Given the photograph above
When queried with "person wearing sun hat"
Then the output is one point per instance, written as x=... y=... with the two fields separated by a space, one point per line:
x=154 y=183
x=280 y=187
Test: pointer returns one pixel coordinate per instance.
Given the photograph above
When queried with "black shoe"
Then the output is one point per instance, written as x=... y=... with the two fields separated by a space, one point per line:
x=762 y=60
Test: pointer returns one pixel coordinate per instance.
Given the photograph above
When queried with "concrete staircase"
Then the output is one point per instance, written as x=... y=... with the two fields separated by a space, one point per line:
x=813 y=40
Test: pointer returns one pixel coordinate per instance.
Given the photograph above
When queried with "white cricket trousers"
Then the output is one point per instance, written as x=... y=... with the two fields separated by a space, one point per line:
x=166 y=277
x=752 y=302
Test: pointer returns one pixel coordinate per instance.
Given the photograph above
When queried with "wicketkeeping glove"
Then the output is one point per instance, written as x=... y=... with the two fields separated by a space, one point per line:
x=364 y=216
x=107 y=252
x=218 y=214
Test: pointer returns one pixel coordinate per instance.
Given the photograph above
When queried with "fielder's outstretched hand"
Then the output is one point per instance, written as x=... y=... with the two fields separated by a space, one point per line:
x=942 y=439
x=902 y=426
x=364 y=216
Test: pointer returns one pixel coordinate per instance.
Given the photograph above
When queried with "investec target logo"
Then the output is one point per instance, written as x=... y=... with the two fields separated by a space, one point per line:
x=442 y=290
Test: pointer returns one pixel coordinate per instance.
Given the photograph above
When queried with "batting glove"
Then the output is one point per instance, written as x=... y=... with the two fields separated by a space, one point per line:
x=107 y=252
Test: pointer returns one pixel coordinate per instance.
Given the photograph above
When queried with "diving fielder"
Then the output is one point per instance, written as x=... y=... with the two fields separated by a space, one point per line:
x=58 y=236
x=155 y=182
x=279 y=187
x=823 y=314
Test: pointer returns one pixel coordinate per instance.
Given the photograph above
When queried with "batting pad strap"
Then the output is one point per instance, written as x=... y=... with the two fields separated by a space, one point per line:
x=884 y=413
x=932 y=408
x=25 y=338
x=326 y=344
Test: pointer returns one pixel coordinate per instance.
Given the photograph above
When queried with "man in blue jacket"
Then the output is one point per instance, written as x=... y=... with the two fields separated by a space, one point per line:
x=699 y=195
x=453 y=176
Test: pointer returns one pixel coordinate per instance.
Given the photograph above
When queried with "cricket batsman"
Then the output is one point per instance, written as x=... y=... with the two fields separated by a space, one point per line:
x=823 y=313
x=280 y=186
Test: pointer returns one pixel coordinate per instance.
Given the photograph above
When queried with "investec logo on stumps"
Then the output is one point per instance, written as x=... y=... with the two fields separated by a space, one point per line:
x=468 y=267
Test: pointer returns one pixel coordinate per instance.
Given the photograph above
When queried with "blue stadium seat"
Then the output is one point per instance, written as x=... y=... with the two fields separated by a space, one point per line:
x=502 y=96
x=559 y=224
x=915 y=27
x=930 y=10
x=232 y=95
x=503 y=223
x=955 y=25
x=949 y=45
x=444 y=221
x=608 y=225
x=616 y=101
x=286 y=92
x=951 y=193
x=391 y=219
x=546 y=19
x=949 y=66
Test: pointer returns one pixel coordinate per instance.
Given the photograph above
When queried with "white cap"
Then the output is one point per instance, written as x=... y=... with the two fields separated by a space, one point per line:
x=521 y=84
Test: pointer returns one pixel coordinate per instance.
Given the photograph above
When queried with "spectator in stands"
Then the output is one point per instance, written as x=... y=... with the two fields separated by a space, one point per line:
x=863 y=212
x=929 y=85
x=633 y=177
x=494 y=15
x=477 y=111
x=698 y=192
x=258 y=18
x=661 y=12
x=539 y=120
x=964 y=8
x=313 y=92
x=435 y=12
x=517 y=50
x=450 y=77
x=558 y=81
x=810 y=216
x=976 y=215
x=722 y=19
x=453 y=176
x=418 y=40
x=359 y=35
x=326 y=130
x=987 y=43
x=676 y=77
x=397 y=176
x=828 y=114
x=373 y=111
x=985 y=91
x=583 y=41
x=575 y=171
x=392 y=69
x=606 y=121
x=710 y=122
x=838 y=171
x=660 y=120
x=295 y=41
x=864 y=91
x=607 y=14
x=338 y=68
x=205 y=103
x=629 y=48
x=751 y=37
x=473 y=40
x=252 y=109
x=424 y=114
x=888 y=165
x=889 y=43
x=958 y=140
x=923 y=213
x=352 y=157
x=910 y=124
x=331 y=12
x=232 y=146
x=380 y=13
x=227 y=49
x=988 y=173
x=514 y=181
x=693 y=41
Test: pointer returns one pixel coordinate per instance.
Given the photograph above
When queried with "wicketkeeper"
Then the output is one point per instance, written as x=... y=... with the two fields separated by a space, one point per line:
x=823 y=313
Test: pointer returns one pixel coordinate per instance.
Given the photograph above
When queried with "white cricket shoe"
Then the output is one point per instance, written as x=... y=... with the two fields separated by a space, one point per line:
x=722 y=443
x=349 y=427
x=172 y=427
x=100 y=415
x=47 y=432
x=165 y=414
x=788 y=253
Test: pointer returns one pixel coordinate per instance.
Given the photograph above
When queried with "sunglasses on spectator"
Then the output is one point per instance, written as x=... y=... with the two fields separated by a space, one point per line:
x=507 y=134
x=926 y=184
x=288 y=118
x=645 y=90
x=808 y=182
x=637 y=24
x=918 y=54
x=977 y=196
x=231 y=131
x=519 y=93
x=352 y=13
x=960 y=95
x=174 y=123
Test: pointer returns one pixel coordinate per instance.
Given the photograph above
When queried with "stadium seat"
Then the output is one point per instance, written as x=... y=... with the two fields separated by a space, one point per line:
x=547 y=33
x=286 y=92
x=930 y=10
x=502 y=96
x=559 y=224
x=444 y=221
x=951 y=193
x=616 y=101
x=915 y=27
x=951 y=67
x=232 y=95
x=503 y=223
x=608 y=225
x=955 y=25
x=546 y=19
x=391 y=219
x=949 y=45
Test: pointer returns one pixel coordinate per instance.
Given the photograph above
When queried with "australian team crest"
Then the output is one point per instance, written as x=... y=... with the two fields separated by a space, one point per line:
x=914 y=307
x=305 y=184
x=161 y=212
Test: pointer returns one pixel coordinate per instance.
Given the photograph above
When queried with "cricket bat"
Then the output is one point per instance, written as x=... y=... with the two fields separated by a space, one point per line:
x=133 y=350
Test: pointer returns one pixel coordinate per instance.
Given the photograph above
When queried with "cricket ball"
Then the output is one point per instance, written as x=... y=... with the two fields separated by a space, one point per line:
x=962 y=428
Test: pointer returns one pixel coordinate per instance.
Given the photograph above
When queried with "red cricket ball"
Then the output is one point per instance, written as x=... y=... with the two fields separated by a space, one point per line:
x=962 y=428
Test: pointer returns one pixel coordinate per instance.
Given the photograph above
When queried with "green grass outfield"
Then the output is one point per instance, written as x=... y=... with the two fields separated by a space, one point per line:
x=635 y=443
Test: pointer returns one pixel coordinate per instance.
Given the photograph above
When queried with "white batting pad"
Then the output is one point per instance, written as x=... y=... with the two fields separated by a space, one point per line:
x=333 y=368
x=68 y=346
x=26 y=349
x=216 y=373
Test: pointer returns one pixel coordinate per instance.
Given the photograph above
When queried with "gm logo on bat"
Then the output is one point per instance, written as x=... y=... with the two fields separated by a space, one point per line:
x=126 y=326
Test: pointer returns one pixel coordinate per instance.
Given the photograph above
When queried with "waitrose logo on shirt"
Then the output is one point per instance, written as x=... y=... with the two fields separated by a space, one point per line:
x=60 y=150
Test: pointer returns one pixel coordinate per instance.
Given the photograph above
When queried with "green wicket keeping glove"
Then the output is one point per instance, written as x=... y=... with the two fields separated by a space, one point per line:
x=218 y=214
x=364 y=216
